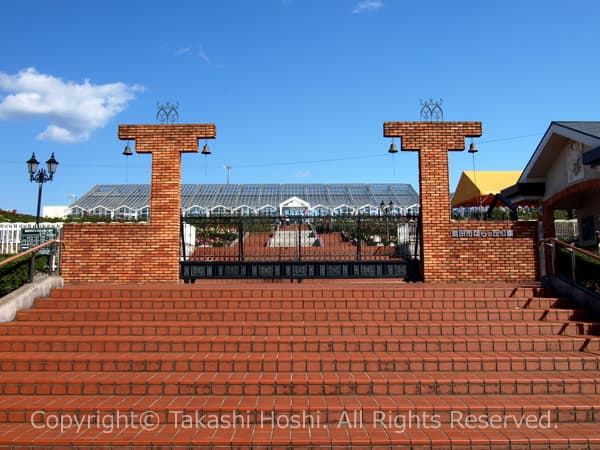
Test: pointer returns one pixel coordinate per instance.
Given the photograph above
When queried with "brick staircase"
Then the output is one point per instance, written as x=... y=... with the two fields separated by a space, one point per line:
x=317 y=365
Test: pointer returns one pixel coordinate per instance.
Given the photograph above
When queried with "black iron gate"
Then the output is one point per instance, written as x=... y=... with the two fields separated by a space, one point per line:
x=300 y=247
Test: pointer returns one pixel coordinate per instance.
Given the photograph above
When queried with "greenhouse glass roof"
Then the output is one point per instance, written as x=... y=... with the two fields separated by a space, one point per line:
x=254 y=196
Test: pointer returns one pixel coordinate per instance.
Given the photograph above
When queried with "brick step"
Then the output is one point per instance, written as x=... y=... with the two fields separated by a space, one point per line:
x=345 y=289
x=171 y=328
x=278 y=315
x=343 y=304
x=233 y=344
x=324 y=409
x=298 y=362
x=331 y=352
x=301 y=383
x=400 y=434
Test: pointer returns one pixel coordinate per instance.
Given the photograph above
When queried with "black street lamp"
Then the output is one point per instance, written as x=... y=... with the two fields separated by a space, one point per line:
x=387 y=223
x=386 y=210
x=41 y=176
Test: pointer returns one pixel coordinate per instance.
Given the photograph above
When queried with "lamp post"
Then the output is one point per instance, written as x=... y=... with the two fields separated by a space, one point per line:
x=387 y=210
x=41 y=176
x=382 y=212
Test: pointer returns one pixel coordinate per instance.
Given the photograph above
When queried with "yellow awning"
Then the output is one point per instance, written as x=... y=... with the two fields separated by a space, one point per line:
x=473 y=186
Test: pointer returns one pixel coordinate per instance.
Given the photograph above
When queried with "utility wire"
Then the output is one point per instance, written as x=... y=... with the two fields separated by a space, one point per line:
x=513 y=138
x=312 y=161
x=281 y=163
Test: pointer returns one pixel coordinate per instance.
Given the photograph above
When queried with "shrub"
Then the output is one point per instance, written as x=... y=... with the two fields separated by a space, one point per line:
x=15 y=274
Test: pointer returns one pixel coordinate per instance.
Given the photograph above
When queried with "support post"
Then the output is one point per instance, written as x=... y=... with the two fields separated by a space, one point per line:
x=433 y=140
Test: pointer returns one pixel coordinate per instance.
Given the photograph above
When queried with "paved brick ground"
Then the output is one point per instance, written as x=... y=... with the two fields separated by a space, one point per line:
x=316 y=365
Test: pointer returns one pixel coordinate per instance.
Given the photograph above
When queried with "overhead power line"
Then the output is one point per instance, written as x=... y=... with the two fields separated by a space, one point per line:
x=286 y=163
x=513 y=138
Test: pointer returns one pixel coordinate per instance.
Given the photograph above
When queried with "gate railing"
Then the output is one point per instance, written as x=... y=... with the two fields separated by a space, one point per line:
x=265 y=238
x=296 y=240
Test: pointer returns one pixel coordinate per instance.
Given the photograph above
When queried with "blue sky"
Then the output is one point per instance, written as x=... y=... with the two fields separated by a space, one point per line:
x=298 y=89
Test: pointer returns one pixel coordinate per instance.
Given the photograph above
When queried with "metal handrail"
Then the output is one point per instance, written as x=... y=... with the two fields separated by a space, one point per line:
x=573 y=251
x=571 y=247
x=29 y=251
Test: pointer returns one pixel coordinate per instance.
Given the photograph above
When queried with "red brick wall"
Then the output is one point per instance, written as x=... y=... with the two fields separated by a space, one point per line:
x=143 y=252
x=109 y=252
x=497 y=258
x=459 y=259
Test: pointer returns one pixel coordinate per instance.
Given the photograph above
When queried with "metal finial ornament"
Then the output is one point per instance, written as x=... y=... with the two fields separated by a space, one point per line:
x=167 y=113
x=431 y=111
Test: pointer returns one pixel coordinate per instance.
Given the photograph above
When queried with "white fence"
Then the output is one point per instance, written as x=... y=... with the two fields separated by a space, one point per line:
x=567 y=230
x=10 y=235
x=189 y=237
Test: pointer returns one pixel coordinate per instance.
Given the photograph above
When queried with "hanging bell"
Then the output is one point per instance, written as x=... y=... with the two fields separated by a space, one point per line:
x=473 y=148
x=206 y=150
x=393 y=148
x=127 y=151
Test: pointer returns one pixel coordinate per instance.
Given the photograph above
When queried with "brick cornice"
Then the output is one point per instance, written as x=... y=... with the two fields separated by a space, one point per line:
x=419 y=135
x=179 y=137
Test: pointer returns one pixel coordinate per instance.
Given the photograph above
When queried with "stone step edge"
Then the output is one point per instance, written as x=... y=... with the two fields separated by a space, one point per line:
x=312 y=362
x=400 y=291
x=235 y=344
x=280 y=434
x=573 y=408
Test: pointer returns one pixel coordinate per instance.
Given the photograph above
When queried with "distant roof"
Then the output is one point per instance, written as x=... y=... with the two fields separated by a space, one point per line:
x=553 y=141
x=591 y=128
x=472 y=186
x=137 y=196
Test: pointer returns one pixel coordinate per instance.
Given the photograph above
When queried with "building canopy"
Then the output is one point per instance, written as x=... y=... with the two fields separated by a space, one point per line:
x=480 y=187
x=566 y=155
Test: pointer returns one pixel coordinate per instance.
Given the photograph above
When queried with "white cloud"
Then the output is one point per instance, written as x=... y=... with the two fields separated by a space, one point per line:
x=203 y=55
x=303 y=174
x=367 y=5
x=73 y=110
x=182 y=51
x=194 y=51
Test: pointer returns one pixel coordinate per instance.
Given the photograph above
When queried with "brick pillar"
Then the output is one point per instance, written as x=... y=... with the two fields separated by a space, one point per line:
x=138 y=252
x=548 y=220
x=166 y=143
x=433 y=140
